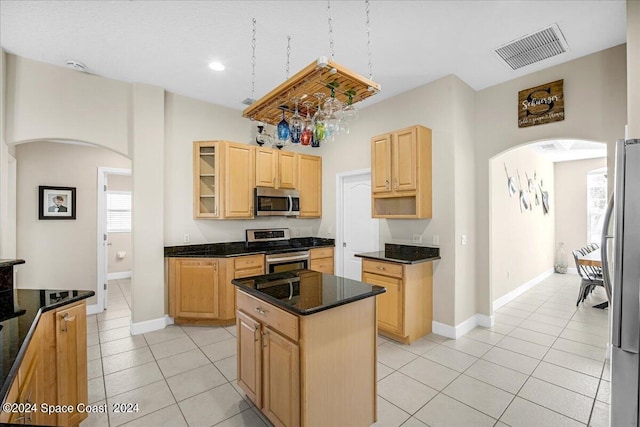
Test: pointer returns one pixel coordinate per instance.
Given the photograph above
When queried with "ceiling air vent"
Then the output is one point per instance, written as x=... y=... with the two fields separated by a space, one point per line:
x=533 y=48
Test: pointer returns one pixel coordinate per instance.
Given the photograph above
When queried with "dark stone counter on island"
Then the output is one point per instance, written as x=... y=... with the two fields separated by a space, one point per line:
x=304 y=292
x=20 y=310
x=234 y=249
x=403 y=254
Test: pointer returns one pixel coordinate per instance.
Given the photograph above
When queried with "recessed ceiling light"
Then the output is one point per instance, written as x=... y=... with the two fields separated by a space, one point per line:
x=216 y=66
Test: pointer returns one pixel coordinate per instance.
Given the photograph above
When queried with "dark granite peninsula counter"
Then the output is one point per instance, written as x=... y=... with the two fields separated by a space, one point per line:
x=20 y=311
x=404 y=254
x=304 y=292
x=234 y=249
x=42 y=340
x=307 y=348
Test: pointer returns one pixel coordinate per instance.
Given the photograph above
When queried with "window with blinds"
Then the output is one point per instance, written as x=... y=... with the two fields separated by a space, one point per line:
x=118 y=212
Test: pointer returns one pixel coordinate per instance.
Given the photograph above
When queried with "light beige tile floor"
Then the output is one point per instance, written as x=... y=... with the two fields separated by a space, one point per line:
x=541 y=364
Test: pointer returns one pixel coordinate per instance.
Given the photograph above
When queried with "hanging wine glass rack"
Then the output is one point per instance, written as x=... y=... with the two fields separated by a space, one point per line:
x=318 y=76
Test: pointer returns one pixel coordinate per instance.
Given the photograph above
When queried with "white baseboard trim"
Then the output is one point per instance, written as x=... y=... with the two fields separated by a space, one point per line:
x=119 y=275
x=93 y=309
x=521 y=289
x=455 y=332
x=139 y=328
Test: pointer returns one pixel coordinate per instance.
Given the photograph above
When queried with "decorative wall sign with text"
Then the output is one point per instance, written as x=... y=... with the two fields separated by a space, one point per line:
x=541 y=104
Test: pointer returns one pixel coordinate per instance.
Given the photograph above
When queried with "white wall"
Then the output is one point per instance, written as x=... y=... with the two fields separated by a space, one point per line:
x=595 y=105
x=522 y=242
x=60 y=254
x=49 y=102
x=571 y=202
x=633 y=68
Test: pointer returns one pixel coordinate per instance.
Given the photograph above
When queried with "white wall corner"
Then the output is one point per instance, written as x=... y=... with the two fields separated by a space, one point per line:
x=138 y=328
x=455 y=332
x=93 y=309
x=521 y=289
x=443 y=329
x=119 y=275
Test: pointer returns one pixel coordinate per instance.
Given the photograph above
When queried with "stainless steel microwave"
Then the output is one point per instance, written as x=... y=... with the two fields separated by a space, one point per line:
x=276 y=202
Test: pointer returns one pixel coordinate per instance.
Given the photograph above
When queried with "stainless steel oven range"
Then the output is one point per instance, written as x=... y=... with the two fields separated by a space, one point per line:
x=277 y=240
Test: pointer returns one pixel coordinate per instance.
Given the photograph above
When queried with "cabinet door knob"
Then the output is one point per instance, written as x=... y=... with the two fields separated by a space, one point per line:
x=64 y=321
x=261 y=311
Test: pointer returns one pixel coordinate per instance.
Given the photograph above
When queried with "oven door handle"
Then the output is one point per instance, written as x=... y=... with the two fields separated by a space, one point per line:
x=289 y=258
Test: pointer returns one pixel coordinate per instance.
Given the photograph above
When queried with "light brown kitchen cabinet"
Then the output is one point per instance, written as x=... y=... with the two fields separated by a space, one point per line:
x=200 y=289
x=293 y=367
x=194 y=289
x=401 y=174
x=239 y=184
x=223 y=180
x=405 y=310
x=275 y=168
x=310 y=185
x=53 y=369
x=321 y=259
x=28 y=386
x=71 y=351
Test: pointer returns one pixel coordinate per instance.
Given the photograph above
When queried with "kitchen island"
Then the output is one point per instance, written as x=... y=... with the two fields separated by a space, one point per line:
x=307 y=347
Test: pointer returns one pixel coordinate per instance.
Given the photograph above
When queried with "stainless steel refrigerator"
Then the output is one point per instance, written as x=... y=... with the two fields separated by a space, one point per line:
x=621 y=271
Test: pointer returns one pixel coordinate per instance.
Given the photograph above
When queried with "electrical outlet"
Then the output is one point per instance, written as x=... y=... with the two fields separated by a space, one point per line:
x=436 y=239
x=186 y=238
x=296 y=232
x=463 y=239
x=417 y=238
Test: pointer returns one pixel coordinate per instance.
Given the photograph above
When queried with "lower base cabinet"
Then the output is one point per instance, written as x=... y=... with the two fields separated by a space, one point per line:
x=200 y=289
x=53 y=370
x=405 y=310
x=321 y=259
x=316 y=370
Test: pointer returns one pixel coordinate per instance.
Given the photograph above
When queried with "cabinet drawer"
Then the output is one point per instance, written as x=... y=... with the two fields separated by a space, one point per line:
x=323 y=265
x=321 y=253
x=384 y=268
x=249 y=261
x=268 y=314
x=240 y=274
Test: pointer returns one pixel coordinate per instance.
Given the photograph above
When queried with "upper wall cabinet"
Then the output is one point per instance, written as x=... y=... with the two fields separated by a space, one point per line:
x=223 y=180
x=276 y=169
x=401 y=174
x=310 y=185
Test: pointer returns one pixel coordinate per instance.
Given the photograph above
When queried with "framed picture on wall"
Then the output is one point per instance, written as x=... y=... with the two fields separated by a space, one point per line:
x=57 y=202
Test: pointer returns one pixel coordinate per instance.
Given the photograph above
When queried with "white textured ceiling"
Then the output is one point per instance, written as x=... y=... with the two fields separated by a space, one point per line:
x=170 y=43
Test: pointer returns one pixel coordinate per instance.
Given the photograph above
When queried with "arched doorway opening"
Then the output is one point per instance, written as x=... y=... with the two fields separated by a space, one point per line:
x=538 y=199
x=61 y=254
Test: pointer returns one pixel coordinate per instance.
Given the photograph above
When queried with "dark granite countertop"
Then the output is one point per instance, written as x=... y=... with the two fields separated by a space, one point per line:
x=304 y=292
x=10 y=262
x=233 y=249
x=404 y=254
x=20 y=310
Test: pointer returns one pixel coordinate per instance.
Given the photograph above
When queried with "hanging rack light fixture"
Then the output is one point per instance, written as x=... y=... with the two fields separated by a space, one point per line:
x=323 y=76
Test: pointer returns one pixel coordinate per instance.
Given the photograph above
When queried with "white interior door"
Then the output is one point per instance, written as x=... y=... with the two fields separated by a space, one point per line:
x=359 y=230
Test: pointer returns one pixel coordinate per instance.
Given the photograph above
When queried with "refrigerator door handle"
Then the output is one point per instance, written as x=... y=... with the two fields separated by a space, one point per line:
x=604 y=251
